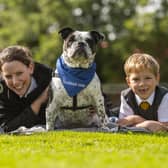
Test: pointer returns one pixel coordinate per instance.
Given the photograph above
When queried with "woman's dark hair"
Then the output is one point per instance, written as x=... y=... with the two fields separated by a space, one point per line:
x=16 y=53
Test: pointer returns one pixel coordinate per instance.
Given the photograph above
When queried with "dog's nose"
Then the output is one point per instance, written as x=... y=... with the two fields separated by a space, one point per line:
x=81 y=44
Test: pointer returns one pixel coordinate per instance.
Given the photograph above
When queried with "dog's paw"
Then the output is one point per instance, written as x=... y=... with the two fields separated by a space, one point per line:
x=104 y=128
x=49 y=128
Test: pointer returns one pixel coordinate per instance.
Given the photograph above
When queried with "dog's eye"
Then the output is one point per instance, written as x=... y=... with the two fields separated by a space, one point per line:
x=72 y=38
x=70 y=41
x=90 y=42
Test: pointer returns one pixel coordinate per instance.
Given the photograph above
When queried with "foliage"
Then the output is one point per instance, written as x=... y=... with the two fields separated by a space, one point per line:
x=76 y=149
x=128 y=27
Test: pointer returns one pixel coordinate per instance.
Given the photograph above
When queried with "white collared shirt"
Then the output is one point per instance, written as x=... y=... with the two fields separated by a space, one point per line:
x=149 y=99
x=126 y=110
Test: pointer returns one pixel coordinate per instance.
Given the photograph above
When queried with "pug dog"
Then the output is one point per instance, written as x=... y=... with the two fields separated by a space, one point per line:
x=76 y=87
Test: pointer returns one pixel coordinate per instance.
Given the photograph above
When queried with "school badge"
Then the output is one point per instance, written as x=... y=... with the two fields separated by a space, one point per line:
x=144 y=105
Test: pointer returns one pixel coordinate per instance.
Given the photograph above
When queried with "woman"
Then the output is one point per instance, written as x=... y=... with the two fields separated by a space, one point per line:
x=23 y=89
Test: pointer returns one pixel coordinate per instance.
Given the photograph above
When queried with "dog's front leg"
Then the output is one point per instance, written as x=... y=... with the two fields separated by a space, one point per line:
x=101 y=111
x=51 y=116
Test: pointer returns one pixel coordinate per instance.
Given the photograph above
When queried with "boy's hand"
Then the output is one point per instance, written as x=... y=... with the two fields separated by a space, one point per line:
x=130 y=120
x=153 y=126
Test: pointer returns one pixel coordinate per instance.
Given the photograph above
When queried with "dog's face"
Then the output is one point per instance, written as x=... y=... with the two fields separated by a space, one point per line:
x=79 y=47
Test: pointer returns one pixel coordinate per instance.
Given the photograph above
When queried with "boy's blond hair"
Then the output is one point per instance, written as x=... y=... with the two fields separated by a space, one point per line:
x=141 y=61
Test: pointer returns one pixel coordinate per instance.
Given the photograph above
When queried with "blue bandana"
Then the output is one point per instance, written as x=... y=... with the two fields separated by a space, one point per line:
x=74 y=79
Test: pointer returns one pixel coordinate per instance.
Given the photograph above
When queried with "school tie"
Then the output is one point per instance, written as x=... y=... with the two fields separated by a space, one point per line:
x=144 y=105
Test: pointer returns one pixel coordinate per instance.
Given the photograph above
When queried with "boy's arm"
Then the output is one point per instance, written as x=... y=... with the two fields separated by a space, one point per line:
x=131 y=120
x=165 y=123
x=125 y=109
x=163 y=111
x=126 y=115
x=154 y=126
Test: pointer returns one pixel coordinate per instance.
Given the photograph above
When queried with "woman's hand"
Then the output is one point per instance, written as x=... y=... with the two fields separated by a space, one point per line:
x=39 y=101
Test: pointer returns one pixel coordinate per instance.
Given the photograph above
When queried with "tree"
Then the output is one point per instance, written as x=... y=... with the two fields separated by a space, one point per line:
x=127 y=30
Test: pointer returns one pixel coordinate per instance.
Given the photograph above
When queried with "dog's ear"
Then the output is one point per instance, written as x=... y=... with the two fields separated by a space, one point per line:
x=65 y=32
x=97 y=36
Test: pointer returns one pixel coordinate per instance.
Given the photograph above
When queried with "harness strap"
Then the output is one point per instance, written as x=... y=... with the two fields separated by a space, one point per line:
x=74 y=102
x=74 y=109
x=75 y=105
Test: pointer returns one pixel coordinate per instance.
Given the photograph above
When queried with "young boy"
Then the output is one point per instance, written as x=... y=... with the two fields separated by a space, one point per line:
x=144 y=103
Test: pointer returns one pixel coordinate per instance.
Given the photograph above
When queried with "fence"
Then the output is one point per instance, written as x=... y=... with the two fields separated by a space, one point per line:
x=113 y=91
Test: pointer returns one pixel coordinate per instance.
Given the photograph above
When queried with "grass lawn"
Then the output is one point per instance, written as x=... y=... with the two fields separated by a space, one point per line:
x=84 y=150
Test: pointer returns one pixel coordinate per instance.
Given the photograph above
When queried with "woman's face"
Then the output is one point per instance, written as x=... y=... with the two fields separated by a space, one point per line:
x=17 y=76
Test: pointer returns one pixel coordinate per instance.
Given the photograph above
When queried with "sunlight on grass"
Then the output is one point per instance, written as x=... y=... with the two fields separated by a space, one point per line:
x=84 y=150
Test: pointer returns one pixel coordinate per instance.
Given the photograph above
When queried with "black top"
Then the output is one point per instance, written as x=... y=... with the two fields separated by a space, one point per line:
x=152 y=112
x=16 y=111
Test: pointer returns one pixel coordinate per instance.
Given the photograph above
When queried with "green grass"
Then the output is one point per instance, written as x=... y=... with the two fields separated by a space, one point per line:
x=84 y=150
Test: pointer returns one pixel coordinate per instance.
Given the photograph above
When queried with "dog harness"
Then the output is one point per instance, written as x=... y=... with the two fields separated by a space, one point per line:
x=74 y=106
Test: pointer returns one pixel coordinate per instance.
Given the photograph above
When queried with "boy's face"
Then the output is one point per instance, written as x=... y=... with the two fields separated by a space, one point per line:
x=143 y=83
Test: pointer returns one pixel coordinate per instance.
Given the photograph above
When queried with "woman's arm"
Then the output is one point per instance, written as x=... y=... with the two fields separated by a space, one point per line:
x=29 y=116
x=36 y=105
